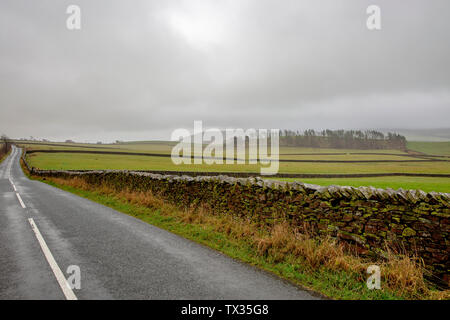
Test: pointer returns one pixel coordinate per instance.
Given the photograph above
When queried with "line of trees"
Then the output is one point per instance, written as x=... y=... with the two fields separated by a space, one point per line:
x=342 y=139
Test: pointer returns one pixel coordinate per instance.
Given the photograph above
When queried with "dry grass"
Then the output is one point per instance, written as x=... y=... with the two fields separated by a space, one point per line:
x=3 y=152
x=284 y=243
x=280 y=243
x=401 y=272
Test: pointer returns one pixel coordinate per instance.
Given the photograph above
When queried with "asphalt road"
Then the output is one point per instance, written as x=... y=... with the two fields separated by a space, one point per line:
x=44 y=229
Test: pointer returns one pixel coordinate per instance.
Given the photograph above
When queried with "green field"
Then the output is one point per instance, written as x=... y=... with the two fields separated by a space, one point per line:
x=164 y=147
x=433 y=148
x=70 y=161
x=80 y=161
x=348 y=156
x=423 y=183
x=294 y=150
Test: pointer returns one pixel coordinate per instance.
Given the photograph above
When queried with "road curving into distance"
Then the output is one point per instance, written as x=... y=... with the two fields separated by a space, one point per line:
x=46 y=232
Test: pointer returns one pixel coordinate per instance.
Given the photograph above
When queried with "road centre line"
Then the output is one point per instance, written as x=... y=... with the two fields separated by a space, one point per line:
x=20 y=200
x=65 y=287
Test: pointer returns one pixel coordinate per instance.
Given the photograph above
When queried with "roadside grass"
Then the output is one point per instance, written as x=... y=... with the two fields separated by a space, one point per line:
x=4 y=156
x=321 y=265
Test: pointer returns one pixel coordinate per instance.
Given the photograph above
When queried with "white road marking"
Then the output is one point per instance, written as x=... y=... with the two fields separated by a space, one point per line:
x=20 y=200
x=65 y=287
x=12 y=183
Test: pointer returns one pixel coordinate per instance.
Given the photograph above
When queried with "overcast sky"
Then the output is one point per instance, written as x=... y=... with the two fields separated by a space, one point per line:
x=140 y=69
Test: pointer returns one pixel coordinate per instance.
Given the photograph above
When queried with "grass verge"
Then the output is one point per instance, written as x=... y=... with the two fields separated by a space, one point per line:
x=321 y=265
x=3 y=156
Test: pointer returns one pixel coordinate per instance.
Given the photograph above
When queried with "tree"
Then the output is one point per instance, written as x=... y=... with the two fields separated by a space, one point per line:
x=6 y=143
x=347 y=139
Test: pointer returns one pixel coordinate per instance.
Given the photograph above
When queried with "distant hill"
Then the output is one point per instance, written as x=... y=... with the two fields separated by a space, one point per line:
x=430 y=147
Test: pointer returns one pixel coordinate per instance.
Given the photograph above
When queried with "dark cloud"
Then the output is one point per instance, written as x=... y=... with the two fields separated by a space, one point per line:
x=139 y=69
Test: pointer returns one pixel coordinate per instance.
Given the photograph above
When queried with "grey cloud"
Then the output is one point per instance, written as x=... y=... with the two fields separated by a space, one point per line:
x=139 y=69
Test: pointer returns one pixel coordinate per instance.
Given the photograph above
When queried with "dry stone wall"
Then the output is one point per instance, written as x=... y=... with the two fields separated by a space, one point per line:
x=364 y=217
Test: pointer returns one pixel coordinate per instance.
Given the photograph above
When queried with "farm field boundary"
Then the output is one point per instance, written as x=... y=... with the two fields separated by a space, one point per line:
x=193 y=157
x=278 y=175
